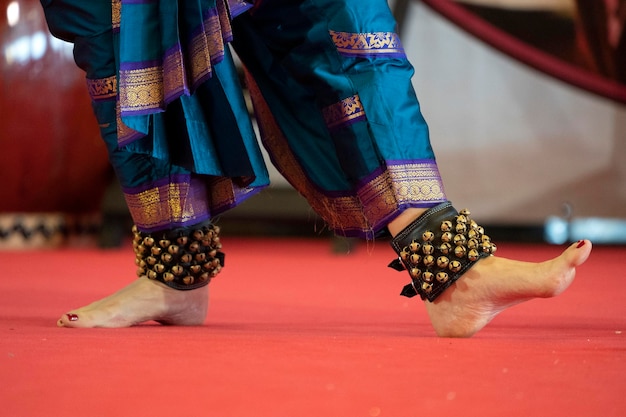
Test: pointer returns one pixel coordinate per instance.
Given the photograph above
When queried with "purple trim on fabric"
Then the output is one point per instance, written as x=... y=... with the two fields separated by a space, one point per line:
x=176 y=178
x=208 y=13
x=139 y=1
x=130 y=66
x=127 y=140
x=172 y=225
x=238 y=7
x=399 y=55
x=240 y=197
x=350 y=122
x=172 y=94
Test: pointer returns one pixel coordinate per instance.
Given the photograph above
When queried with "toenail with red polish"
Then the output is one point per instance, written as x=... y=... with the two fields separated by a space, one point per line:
x=581 y=243
x=72 y=317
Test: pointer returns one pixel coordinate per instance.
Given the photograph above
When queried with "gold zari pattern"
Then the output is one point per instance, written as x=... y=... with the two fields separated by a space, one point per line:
x=375 y=202
x=343 y=112
x=367 y=43
x=102 y=88
x=116 y=13
x=141 y=89
x=172 y=203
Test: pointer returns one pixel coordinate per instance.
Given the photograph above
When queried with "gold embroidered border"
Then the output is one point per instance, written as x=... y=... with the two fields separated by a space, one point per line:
x=375 y=201
x=367 y=43
x=116 y=13
x=102 y=88
x=164 y=205
x=174 y=79
x=141 y=89
x=344 y=111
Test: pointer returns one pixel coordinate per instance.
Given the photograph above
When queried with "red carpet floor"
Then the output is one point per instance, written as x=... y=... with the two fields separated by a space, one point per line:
x=294 y=330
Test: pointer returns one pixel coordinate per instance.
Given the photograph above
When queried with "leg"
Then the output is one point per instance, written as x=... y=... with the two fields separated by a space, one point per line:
x=494 y=284
x=177 y=129
x=341 y=122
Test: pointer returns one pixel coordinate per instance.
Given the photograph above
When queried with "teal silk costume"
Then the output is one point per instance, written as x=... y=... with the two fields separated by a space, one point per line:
x=331 y=92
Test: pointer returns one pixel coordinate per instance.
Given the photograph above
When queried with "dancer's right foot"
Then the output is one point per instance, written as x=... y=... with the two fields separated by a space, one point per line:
x=142 y=300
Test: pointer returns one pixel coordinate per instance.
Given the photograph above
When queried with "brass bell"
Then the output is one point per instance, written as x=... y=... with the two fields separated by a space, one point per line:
x=404 y=254
x=168 y=276
x=188 y=280
x=200 y=257
x=428 y=236
x=214 y=272
x=443 y=262
x=195 y=269
x=460 y=240
x=414 y=246
x=485 y=238
x=489 y=248
x=186 y=258
x=141 y=272
x=415 y=258
x=212 y=253
x=178 y=270
x=141 y=249
x=215 y=262
x=152 y=275
x=428 y=276
x=167 y=258
x=480 y=230
x=461 y=228
x=156 y=251
x=473 y=225
x=429 y=260
x=148 y=241
x=465 y=212
x=142 y=264
x=173 y=249
x=446 y=226
x=455 y=266
x=415 y=273
x=216 y=229
x=445 y=248
x=198 y=234
x=447 y=237
x=461 y=219
x=182 y=241
x=473 y=255
x=134 y=229
x=473 y=243
x=428 y=249
x=160 y=268
x=208 y=266
x=151 y=260
x=204 y=277
x=460 y=251
x=427 y=287
x=164 y=243
x=442 y=277
x=473 y=234
x=194 y=247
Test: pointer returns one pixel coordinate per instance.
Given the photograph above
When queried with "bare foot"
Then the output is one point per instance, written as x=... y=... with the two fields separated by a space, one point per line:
x=140 y=301
x=494 y=284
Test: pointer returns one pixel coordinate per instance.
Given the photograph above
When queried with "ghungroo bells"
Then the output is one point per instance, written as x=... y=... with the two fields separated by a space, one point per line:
x=184 y=258
x=437 y=248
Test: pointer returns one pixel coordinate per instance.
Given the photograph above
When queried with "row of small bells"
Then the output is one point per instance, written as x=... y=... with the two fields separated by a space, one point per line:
x=464 y=239
x=193 y=258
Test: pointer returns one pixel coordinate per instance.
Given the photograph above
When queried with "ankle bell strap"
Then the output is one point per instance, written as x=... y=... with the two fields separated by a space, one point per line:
x=183 y=259
x=437 y=248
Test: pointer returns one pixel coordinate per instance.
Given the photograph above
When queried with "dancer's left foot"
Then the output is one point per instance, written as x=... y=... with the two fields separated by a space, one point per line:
x=495 y=284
